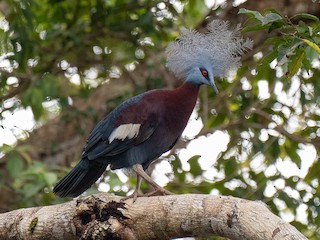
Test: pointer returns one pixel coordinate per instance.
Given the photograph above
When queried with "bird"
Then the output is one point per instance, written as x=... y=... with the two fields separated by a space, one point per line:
x=142 y=128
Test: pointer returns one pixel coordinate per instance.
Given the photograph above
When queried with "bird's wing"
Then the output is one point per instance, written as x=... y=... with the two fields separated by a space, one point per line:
x=123 y=128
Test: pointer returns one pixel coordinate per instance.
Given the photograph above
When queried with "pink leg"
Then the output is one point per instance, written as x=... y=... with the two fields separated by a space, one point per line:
x=141 y=174
x=158 y=189
x=136 y=193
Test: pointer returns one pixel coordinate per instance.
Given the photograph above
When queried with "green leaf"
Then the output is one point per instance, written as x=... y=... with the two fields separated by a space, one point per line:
x=50 y=178
x=275 y=25
x=306 y=63
x=216 y=120
x=31 y=189
x=255 y=14
x=177 y=169
x=114 y=180
x=36 y=101
x=306 y=16
x=230 y=166
x=5 y=148
x=313 y=45
x=14 y=165
x=291 y=149
x=268 y=18
x=313 y=172
x=275 y=151
x=195 y=168
x=295 y=64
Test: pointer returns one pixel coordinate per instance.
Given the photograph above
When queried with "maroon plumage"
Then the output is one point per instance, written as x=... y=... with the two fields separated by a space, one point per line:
x=162 y=116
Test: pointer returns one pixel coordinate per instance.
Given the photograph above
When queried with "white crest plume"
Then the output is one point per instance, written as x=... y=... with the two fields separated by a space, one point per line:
x=220 y=48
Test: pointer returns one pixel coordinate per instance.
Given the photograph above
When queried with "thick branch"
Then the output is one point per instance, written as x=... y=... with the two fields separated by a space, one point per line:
x=104 y=216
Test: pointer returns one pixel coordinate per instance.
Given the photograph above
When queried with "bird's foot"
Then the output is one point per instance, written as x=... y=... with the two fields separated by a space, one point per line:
x=159 y=192
x=134 y=196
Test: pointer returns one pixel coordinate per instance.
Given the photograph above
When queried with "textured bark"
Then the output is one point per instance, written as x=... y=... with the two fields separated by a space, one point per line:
x=104 y=216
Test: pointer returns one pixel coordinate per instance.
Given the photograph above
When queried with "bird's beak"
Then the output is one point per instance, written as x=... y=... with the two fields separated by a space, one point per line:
x=213 y=85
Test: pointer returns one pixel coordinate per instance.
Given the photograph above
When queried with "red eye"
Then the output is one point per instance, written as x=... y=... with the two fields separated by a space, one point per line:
x=204 y=73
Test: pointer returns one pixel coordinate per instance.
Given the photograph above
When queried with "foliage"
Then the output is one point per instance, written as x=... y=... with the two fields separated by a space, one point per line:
x=57 y=40
x=29 y=177
x=269 y=109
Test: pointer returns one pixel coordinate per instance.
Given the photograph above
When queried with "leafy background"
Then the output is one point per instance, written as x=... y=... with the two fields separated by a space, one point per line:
x=68 y=63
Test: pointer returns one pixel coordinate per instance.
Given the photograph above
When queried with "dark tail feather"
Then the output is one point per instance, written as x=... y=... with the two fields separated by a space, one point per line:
x=79 y=179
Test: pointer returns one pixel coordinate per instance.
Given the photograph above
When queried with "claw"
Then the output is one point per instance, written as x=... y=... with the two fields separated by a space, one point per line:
x=141 y=174
x=159 y=192
x=134 y=197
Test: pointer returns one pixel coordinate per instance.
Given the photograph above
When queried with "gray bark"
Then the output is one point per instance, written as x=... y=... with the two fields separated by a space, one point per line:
x=105 y=216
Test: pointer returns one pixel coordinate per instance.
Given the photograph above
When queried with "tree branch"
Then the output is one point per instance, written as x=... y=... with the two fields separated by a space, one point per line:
x=281 y=129
x=104 y=216
x=12 y=92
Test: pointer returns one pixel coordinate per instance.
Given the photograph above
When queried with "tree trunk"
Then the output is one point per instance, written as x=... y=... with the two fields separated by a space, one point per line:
x=105 y=216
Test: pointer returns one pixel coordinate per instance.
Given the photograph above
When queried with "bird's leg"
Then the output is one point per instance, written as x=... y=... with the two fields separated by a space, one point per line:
x=158 y=189
x=136 y=193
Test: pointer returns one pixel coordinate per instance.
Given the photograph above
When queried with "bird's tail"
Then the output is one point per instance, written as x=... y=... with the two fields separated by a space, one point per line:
x=79 y=179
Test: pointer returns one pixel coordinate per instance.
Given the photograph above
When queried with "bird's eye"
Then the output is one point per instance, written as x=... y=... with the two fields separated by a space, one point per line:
x=204 y=73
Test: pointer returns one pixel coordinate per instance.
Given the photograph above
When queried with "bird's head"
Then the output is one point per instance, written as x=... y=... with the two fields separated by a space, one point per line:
x=199 y=57
x=201 y=73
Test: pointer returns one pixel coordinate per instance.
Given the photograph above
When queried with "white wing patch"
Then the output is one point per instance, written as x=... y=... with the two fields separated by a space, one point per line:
x=125 y=131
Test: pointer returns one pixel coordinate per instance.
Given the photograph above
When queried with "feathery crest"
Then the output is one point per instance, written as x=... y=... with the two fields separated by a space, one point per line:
x=220 y=47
